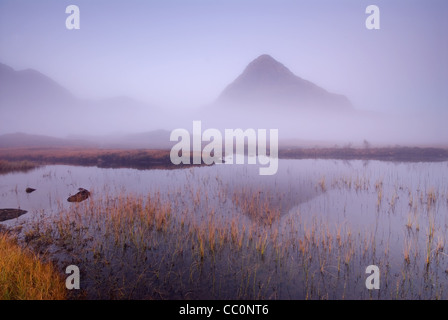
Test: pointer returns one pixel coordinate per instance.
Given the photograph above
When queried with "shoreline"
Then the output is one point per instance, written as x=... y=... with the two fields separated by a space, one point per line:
x=160 y=159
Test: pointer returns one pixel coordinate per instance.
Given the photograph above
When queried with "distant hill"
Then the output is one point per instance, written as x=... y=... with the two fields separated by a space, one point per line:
x=158 y=139
x=29 y=87
x=32 y=102
x=265 y=83
x=23 y=140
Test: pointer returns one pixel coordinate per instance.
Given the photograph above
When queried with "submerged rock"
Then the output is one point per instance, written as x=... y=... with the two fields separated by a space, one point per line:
x=29 y=190
x=8 y=214
x=82 y=195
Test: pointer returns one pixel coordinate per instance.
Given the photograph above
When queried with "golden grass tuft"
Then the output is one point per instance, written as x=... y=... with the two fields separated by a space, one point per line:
x=23 y=276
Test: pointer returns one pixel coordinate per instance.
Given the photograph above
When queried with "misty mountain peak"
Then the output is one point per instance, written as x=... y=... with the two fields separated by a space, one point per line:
x=265 y=82
x=5 y=69
x=265 y=61
x=267 y=69
x=29 y=87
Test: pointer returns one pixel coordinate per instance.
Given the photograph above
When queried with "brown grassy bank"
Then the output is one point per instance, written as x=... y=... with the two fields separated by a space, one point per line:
x=106 y=158
x=412 y=154
x=12 y=166
x=23 y=159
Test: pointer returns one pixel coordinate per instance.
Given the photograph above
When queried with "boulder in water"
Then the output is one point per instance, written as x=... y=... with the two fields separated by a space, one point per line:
x=29 y=190
x=82 y=195
x=8 y=214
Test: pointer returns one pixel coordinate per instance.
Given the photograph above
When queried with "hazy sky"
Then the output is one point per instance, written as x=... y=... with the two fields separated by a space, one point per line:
x=185 y=52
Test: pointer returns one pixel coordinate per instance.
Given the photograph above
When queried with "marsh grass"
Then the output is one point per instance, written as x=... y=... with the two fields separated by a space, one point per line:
x=132 y=247
x=23 y=275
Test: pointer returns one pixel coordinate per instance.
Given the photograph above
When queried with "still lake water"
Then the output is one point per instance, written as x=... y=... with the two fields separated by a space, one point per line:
x=395 y=205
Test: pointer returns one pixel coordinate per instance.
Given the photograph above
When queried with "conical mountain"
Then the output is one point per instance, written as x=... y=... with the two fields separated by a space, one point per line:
x=265 y=82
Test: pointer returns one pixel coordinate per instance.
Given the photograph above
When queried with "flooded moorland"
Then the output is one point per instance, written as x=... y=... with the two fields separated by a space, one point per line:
x=225 y=232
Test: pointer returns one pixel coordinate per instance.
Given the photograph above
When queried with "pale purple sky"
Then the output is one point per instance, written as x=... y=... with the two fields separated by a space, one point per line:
x=183 y=53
